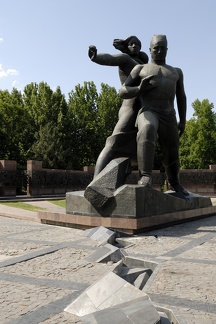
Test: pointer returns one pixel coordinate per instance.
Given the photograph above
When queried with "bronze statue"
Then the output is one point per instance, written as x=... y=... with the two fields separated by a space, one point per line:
x=158 y=84
x=122 y=142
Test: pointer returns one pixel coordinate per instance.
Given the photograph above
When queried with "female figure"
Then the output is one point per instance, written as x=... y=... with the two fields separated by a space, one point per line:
x=122 y=142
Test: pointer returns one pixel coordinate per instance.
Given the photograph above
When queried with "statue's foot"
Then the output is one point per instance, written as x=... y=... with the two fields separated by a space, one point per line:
x=145 y=181
x=177 y=187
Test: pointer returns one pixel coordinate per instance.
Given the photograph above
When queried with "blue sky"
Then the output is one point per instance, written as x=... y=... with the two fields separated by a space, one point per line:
x=47 y=40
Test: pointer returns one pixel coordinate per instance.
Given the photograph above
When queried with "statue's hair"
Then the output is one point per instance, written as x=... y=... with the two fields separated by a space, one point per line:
x=122 y=44
x=162 y=37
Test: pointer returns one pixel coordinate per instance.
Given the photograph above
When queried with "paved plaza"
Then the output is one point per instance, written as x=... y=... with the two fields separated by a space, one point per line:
x=43 y=268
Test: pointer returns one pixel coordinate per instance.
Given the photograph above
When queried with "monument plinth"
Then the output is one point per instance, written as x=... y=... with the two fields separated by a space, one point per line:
x=135 y=201
x=131 y=208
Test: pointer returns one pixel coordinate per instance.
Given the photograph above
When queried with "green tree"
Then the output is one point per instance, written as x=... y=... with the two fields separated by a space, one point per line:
x=30 y=99
x=198 y=148
x=46 y=110
x=108 y=103
x=92 y=117
x=38 y=103
x=12 y=124
x=82 y=113
x=48 y=147
x=60 y=106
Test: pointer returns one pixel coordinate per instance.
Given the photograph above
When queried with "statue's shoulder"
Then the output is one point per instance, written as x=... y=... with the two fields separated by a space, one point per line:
x=139 y=67
x=174 y=69
x=179 y=72
x=143 y=57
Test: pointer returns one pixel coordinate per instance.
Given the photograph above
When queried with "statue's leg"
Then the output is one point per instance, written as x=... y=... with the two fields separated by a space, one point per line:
x=127 y=116
x=117 y=145
x=147 y=124
x=172 y=171
x=169 y=140
x=106 y=155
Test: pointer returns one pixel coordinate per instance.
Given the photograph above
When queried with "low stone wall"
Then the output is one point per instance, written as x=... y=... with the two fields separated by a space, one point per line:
x=56 y=182
x=8 y=177
x=202 y=182
x=39 y=181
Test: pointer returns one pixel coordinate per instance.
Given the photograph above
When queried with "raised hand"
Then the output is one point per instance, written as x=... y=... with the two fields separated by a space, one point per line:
x=147 y=83
x=92 y=52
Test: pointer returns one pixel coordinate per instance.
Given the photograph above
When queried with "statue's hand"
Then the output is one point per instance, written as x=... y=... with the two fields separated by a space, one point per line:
x=92 y=52
x=147 y=83
x=181 y=128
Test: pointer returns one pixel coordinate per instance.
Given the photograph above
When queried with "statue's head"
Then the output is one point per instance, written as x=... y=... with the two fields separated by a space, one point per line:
x=158 y=48
x=131 y=45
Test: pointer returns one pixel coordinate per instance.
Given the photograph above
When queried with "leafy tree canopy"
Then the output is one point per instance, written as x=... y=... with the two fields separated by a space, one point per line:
x=198 y=143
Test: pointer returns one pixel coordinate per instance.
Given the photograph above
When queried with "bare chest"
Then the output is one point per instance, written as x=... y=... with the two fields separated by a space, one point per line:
x=162 y=74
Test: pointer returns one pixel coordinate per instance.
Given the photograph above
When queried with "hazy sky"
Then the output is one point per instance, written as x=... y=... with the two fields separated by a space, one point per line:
x=47 y=40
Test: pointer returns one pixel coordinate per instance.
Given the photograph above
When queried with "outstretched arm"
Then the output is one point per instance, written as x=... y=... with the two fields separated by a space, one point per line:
x=181 y=102
x=107 y=59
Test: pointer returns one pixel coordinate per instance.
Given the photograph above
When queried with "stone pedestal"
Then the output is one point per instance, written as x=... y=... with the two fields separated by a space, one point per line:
x=125 y=207
x=135 y=201
x=135 y=209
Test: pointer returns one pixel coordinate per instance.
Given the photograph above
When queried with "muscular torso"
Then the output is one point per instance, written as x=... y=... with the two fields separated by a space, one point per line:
x=161 y=97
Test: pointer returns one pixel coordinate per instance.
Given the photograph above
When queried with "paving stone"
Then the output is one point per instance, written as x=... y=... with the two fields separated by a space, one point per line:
x=182 y=258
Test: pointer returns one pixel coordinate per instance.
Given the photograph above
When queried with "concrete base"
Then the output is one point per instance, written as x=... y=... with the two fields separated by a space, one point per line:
x=136 y=209
x=136 y=201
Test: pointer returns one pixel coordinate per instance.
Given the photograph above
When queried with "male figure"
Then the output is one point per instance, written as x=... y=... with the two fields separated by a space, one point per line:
x=159 y=83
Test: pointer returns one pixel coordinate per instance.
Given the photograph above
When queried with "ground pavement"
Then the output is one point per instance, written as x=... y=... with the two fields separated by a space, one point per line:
x=43 y=268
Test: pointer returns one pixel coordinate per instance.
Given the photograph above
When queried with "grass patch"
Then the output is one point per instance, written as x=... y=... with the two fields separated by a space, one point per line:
x=22 y=205
x=60 y=203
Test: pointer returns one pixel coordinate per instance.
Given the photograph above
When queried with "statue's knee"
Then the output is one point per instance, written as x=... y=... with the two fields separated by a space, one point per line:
x=147 y=132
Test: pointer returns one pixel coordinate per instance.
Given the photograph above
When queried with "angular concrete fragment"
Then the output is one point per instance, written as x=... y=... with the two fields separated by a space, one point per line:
x=130 y=275
x=169 y=315
x=164 y=318
x=124 y=242
x=109 y=291
x=113 y=175
x=99 y=197
x=100 y=191
x=117 y=267
x=106 y=316
x=138 y=311
x=134 y=262
x=105 y=253
x=100 y=234
x=142 y=279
